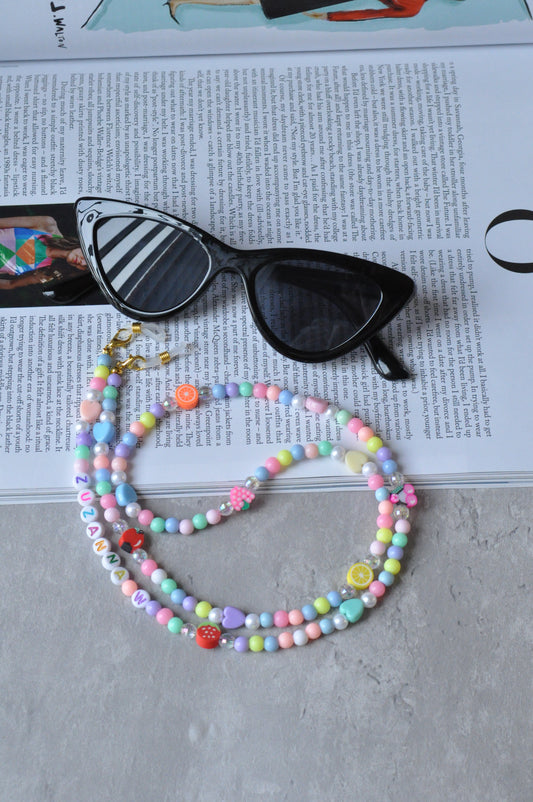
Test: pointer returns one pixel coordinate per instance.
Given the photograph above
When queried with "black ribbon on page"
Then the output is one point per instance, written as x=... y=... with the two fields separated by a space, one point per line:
x=509 y=217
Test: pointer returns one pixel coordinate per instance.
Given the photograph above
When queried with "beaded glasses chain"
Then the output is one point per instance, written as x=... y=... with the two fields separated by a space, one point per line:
x=101 y=481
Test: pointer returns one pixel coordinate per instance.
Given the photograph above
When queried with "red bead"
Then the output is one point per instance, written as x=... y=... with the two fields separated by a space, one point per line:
x=207 y=636
x=131 y=539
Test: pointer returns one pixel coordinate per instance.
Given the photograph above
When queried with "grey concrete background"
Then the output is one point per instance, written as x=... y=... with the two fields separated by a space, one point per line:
x=428 y=698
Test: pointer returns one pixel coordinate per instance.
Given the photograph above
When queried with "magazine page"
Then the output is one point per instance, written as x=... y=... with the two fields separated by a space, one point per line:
x=39 y=29
x=377 y=155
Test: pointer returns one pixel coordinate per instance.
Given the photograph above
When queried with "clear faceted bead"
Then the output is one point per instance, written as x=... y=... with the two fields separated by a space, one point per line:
x=169 y=402
x=119 y=527
x=372 y=562
x=347 y=591
x=252 y=482
x=204 y=393
x=226 y=641
x=140 y=555
x=400 y=512
x=396 y=481
x=226 y=508
x=189 y=630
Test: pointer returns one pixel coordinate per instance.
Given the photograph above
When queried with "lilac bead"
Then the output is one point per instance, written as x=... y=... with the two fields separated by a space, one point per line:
x=383 y=453
x=122 y=450
x=157 y=410
x=84 y=439
x=241 y=644
x=232 y=390
x=114 y=380
x=395 y=552
x=189 y=603
x=219 y=391
x=153 y=607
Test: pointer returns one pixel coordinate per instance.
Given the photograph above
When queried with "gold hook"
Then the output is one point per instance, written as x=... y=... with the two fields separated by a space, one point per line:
x=131 y=363
x=120 y=340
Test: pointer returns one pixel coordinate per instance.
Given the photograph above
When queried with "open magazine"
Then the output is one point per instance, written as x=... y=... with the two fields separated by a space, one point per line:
x=416 y=159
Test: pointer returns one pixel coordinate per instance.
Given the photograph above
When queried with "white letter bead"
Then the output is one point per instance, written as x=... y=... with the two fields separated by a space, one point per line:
x=86 y=498
x=89 y=514
x=119 y=575
x=140 y=599
x=110 y=560
x=101 y=546
x=94 y=530
x=81 y=480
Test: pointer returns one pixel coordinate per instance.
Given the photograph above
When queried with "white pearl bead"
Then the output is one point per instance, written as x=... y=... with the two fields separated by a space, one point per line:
x=215 y=615
x=338 y=453
x=251 y=621
x=330 y=412
x=158 y=576
x=93 y=395
x=108 y=415
x=369 y=469
x=300 y=637
x=100 y=449
x=132 y=509
x=118 y=478
x=82 y=426
x=368 y=599
x=339 y=621
x=298 y=401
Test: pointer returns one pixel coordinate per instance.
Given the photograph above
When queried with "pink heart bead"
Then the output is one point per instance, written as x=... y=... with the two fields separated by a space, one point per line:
x=90 y=410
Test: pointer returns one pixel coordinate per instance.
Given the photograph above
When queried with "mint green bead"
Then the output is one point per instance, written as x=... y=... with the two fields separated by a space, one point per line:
x=102 y=488
x=82 y=452
x=110 y=392
x=168 y=585
x=175 y=624
x=246 y=389
x=343 y=416
x=325 y=448
x=399 y=539
x=199 y=521
x=256 y=643
x=157 y=525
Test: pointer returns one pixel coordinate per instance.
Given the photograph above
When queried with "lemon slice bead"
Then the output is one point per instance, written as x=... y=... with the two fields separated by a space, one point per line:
x=360 y=575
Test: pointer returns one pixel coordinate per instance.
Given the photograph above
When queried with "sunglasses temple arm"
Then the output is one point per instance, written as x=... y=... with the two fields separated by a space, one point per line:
x=384 y=361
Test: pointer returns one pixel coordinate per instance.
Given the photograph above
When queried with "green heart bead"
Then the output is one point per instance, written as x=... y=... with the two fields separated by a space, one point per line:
x=352 y=609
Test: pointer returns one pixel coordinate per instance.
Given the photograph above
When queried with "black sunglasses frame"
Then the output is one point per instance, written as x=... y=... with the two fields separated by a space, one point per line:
x=396 y=288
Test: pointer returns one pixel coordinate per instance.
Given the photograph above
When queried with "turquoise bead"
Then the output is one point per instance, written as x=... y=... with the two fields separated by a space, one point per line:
x=157 y=524
x=399 y=539
x=110 y=392
x=125 y=494
x=352 y=609
x=82 y=452
x=103 y=487
x=199 y=521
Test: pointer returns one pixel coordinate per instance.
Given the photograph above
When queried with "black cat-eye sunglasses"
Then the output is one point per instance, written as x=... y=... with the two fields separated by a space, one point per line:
x=310 y=305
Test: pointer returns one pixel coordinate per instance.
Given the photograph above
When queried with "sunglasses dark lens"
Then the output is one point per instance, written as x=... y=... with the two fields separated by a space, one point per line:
x=150 y=265
x=313 y=306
